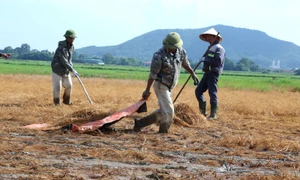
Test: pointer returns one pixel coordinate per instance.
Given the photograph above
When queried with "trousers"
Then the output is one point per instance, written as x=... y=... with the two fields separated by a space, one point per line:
x=166 y=106
x=61 y=81
x=208 y=82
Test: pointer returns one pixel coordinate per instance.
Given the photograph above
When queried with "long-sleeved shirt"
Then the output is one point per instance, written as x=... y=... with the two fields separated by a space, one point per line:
x=62 y=60
x=216 y=58
x=165 y=67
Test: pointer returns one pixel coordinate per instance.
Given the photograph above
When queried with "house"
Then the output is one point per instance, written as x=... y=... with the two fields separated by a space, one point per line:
x=147 y=63
x=94 y=61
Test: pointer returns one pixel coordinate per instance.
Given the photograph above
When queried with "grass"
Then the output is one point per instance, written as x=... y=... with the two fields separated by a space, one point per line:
x=260 y=83
x=234 y=80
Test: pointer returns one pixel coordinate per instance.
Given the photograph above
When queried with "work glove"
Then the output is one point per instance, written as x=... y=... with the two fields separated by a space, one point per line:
x=146 y=94
x=75 y=73
x=195 y=78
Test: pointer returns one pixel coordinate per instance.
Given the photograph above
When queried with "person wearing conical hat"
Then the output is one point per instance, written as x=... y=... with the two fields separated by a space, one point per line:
x=212 y=67
x=61 y=67
x=164 y=73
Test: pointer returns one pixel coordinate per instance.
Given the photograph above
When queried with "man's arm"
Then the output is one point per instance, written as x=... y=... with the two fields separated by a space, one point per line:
x=154 y=70
x=147 y=92
x=63 y=54
x=192 y=73
x=149 y=83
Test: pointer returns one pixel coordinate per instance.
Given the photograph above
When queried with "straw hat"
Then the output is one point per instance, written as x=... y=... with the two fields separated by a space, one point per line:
x=211 y=31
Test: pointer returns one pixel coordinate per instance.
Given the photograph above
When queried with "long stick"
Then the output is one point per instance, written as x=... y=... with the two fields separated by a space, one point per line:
x=87 y=95
x=196 y=67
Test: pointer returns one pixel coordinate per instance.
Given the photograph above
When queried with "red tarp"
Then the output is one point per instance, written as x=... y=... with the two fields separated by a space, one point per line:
x=91 y=126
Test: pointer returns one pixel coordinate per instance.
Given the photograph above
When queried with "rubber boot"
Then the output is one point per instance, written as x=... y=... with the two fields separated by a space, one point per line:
x=143 y=122
x=202 y=107
x=56 y=101
x=213 y=112
x=164 y=128
x=66 y=100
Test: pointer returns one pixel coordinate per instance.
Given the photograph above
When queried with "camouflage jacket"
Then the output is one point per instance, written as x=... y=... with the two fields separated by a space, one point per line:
x=165 y=67
x=62 y=60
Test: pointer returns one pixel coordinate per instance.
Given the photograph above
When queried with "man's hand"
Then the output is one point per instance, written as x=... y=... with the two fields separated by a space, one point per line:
x=146 y=94
x=195 y=78
x=75 y=73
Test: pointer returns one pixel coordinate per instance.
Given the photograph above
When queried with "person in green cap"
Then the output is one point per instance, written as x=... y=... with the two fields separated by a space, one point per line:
x=164 y=73
x=61 y=67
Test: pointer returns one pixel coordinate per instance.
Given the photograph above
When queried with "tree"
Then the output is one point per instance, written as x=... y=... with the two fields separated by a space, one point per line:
x=25 y=48
x=134 y=61
x=123 y=61
x=254 y=67
x=246 y=65
x=229 y=65
x=8 y=49
x=81 y=57
x=297 y=72
x=108 y=58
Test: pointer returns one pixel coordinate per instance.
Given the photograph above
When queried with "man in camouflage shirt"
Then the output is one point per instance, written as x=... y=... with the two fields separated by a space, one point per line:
x=61 y=67
x=164 y=72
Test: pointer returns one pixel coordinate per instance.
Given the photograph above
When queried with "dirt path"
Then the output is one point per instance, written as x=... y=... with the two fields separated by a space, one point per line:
x=62 y=155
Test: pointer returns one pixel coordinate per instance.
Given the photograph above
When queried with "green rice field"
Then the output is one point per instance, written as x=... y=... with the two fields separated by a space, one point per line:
x=235 y=80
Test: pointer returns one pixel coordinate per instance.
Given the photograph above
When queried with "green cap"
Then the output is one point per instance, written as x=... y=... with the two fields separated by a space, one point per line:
x=70 y=33
x=173 y=41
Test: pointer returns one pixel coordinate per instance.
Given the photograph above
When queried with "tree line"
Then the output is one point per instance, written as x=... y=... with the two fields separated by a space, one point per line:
x=26 y=53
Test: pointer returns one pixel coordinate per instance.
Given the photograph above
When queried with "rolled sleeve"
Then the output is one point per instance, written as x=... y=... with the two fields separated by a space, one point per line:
x=155 y=66
x=185 y=61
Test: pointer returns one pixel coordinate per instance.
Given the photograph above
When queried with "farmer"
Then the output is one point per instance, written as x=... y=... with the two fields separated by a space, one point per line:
x=6 y=56
x=61 y=67
x=212 y=67
x=164 y=72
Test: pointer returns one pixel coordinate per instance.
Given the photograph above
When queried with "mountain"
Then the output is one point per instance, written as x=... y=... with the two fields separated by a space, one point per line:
x=238 y=43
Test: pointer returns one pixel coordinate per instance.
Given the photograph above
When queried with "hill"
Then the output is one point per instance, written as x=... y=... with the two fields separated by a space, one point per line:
x=238 y=42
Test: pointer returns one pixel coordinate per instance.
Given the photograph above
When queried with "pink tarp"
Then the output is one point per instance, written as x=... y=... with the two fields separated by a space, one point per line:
x=91 y=126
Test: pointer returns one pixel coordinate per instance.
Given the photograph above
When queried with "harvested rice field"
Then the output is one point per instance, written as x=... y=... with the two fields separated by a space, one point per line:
x=256 y=136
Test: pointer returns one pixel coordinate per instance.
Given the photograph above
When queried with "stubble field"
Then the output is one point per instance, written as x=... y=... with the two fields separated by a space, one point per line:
x=256 y=135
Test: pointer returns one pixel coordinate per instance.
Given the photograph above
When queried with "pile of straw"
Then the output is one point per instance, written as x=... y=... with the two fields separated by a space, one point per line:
x=186 y=116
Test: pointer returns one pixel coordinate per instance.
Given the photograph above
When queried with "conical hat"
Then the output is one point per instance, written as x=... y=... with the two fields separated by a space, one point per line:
x=211 y=31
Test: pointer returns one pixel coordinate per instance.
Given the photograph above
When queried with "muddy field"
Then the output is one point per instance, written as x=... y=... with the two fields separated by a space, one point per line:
x=257 y=135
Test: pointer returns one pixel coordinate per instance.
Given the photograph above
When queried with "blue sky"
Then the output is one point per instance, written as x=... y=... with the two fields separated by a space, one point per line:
x=42 y=23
